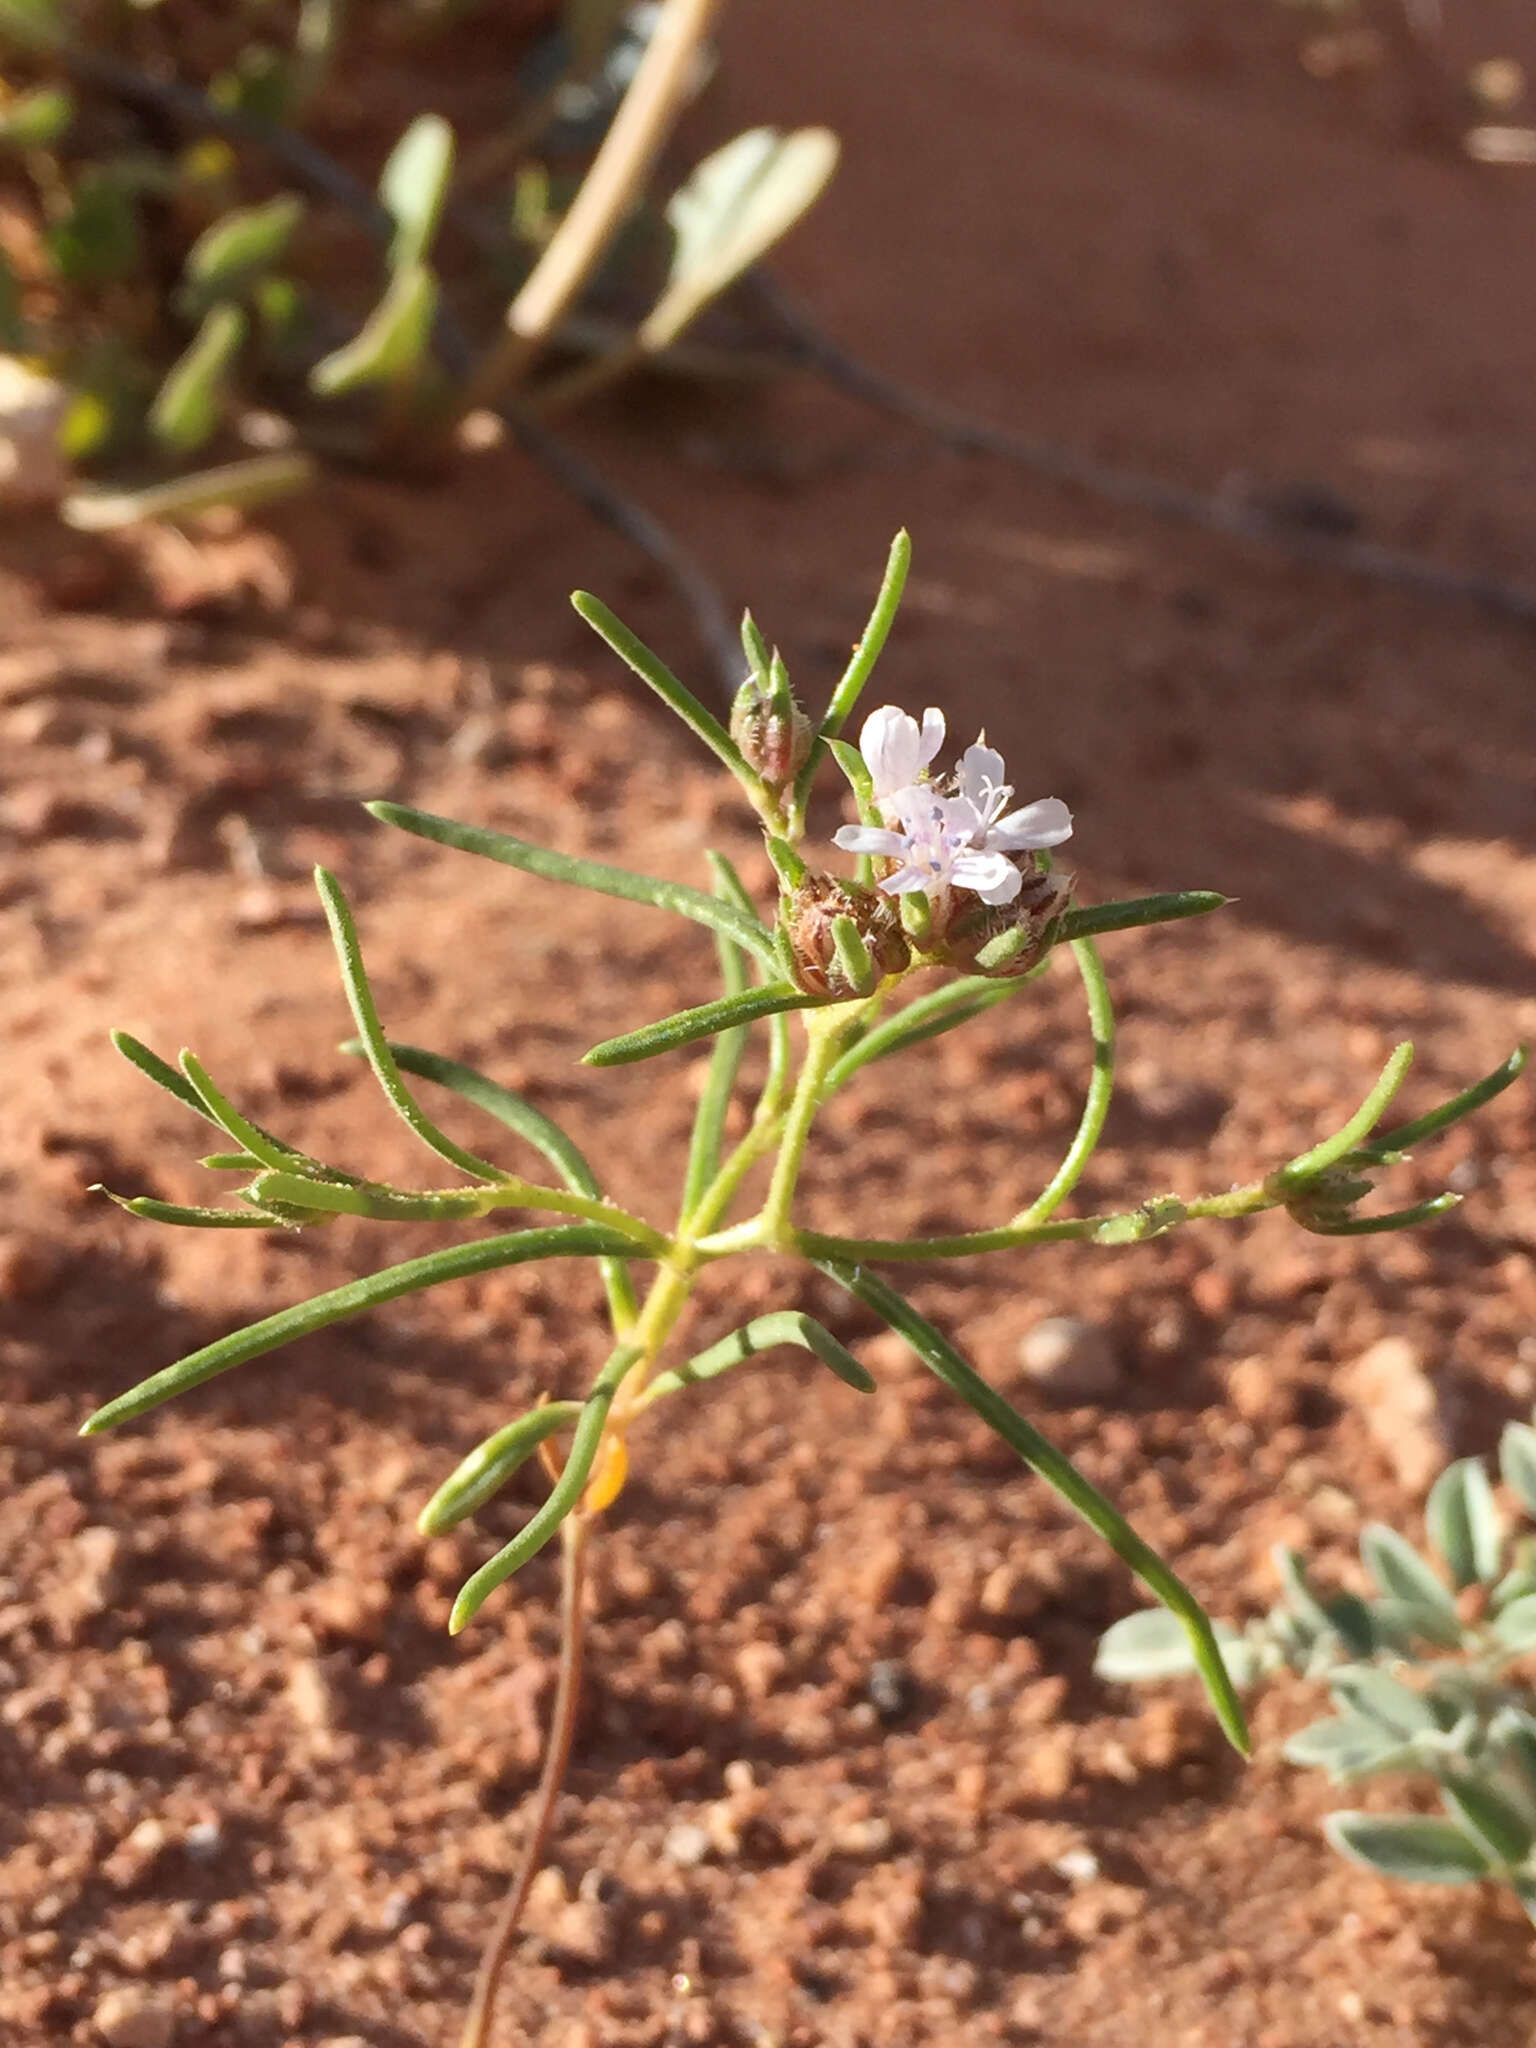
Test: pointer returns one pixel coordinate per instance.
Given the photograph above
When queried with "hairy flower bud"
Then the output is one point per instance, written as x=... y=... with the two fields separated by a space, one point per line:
x=809 y=919
x=773 y=733
x=1010 y=938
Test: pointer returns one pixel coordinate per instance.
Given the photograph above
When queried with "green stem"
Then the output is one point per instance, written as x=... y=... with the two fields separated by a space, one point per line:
x=1124 y=1227
x=826 y=1032
x=1101 y=1020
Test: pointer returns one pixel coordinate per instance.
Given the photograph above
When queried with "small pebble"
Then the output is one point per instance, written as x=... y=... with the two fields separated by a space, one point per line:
x=1069 y=1361
x=1400 y=1406
x=1077 y=1866
x=686 y=1845
x=125 y=2018
x=891 y=1688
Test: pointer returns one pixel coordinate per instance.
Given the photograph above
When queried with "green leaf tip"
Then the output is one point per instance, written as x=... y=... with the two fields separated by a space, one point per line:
x=723 y=1014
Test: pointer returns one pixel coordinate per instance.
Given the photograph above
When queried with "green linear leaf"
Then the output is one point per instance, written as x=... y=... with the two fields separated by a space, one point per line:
x=491 y=1464
x=763 y=1333
x=687 y=1025
x=653 y=671
x=457 y=1262
x=1097 y=918
x=1307 y=1165
x=861 y=663
x=707 y=1138
x=1059 y=1473
x=190 y=1218
x=163 y=1075
x=584 y=874
x=1373 y=1226
x=269 y=1150
x=1459 y=1106
x=365 y=1015
x=530 y=1124
x=562 y=1497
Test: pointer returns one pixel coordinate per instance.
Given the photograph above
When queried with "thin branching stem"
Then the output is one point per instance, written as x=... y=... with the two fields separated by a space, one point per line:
x=557 y=1754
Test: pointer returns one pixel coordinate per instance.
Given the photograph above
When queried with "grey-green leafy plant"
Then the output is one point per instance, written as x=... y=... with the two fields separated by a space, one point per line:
x=954 y=909
x=1425 y=1675
x=214 y=347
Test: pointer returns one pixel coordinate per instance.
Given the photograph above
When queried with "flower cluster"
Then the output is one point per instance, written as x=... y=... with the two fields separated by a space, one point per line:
x=937 y=837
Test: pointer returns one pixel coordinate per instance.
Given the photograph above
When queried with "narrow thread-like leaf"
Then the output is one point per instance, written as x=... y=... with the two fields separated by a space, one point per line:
x=530 y=1124
x=861 y=663
x=585 y=874
x=163 y=1075
x=1307 y=1165
x=653 y=671
x=191 y=1218
x=707 y=1139
x=1096 y=919
x=1374 y=1226
x=271 y=1151
x=1407 y=1135
x=1058 y=1471
x=490 y=1465
x=687 y=1025
x=365 y=1015
x=562 y=1497
x=782 y=1326
x=457 y=1262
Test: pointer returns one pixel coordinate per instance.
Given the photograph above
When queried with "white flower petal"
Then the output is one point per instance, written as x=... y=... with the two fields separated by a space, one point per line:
x=990 y=876
x=1046 y=822
x=869 y=839
x=980 y=774
x=905 y=881
x=933 y=735
x=892 y=748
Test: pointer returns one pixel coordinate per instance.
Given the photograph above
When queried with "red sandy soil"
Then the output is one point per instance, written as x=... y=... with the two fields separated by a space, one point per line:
x=243 y=1770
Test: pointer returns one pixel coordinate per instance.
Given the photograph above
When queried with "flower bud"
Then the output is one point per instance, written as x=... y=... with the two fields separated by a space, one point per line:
x=810 y=915
x=773 y=733
x=1010 y=938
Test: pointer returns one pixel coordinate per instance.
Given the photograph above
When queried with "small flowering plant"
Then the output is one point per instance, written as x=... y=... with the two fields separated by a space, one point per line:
x=952 y=909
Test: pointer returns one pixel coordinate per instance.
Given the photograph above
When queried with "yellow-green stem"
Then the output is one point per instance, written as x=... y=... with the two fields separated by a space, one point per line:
x=826 y=1030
